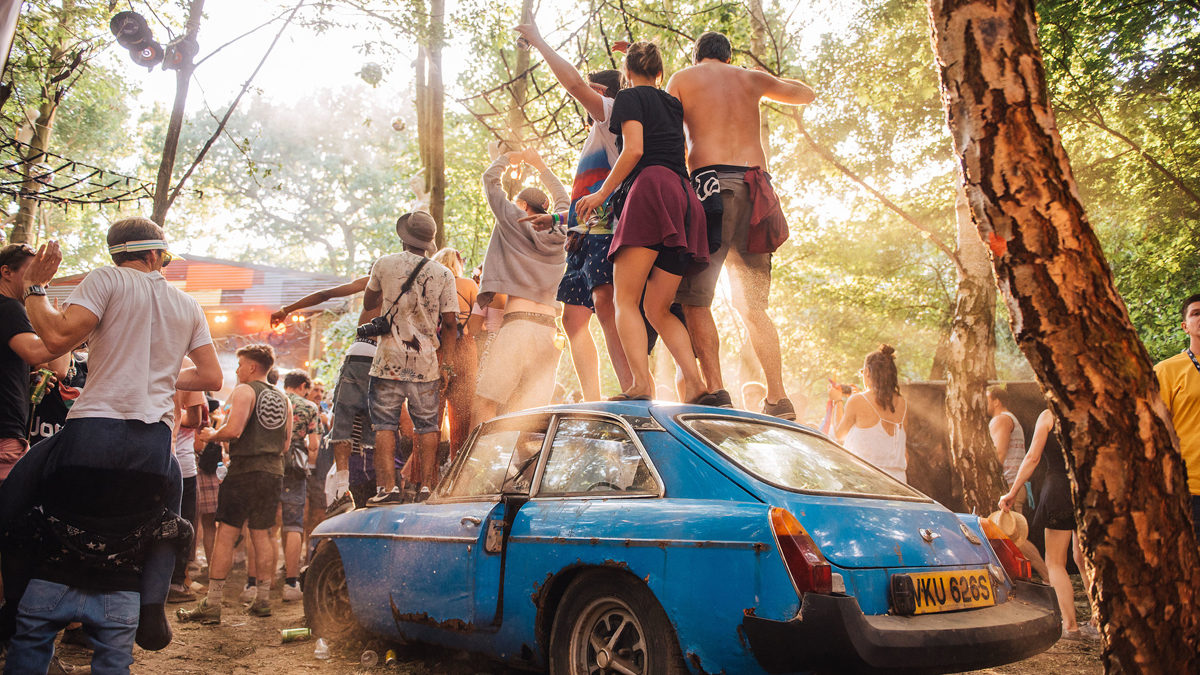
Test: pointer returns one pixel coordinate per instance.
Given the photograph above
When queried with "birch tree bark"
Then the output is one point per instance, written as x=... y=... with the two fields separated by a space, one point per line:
x=977 y=478
x=1127 y=476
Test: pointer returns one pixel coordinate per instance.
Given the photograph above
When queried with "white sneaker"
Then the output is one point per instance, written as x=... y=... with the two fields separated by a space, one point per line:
x=250 y=594
x=292 y=592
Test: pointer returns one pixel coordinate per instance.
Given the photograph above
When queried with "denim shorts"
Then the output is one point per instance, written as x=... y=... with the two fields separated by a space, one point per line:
x=350 y=397
x=295 y=485
x=387 y=400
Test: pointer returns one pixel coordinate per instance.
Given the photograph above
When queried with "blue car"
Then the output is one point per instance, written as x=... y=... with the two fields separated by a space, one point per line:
x=640 y=538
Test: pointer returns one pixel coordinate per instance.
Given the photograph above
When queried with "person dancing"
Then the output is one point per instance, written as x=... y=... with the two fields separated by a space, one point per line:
x=660 y=235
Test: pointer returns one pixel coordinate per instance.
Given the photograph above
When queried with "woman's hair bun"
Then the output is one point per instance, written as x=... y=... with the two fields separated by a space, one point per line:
x=886 y=349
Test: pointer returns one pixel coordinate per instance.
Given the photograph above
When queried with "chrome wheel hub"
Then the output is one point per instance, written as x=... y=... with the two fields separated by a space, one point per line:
x=607 y=639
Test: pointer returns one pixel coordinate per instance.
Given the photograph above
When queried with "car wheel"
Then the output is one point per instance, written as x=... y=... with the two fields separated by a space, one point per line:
x=326 y=598
x=611 y=624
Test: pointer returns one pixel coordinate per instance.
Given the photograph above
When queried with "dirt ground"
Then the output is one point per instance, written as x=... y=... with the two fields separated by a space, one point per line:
x=246 y=645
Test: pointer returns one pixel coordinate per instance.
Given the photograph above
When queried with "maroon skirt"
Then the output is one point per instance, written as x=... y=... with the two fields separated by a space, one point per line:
x=656 y=215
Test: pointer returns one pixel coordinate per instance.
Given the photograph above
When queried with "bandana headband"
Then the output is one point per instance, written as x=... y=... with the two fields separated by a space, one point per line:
x=143 y=245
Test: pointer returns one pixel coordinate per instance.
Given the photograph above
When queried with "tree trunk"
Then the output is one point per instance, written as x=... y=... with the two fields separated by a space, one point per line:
x=516 y=114
x=422 y=90
x=43 y=130
x=166 y=167
x=758 y=47
x=27 y=210
x=437 y=129
x=977 y=478
x=1131 y=496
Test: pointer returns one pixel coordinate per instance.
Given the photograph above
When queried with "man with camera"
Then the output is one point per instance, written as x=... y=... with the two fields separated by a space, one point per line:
x=526 y=264
x=417 y=318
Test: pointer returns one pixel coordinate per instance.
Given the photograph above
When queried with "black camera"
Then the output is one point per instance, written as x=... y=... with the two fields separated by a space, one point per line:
x=380 y=325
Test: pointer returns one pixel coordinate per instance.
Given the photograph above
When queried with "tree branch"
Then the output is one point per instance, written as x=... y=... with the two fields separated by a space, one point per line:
x=832 y=159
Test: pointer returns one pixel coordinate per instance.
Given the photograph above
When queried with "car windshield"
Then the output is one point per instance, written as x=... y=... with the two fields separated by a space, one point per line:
x=794 y=459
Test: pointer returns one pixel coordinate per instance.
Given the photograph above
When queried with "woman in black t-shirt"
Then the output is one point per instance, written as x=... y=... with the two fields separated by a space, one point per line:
x=660 y=234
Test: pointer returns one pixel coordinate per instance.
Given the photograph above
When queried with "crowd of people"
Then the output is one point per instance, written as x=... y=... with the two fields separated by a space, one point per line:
x=131 y=458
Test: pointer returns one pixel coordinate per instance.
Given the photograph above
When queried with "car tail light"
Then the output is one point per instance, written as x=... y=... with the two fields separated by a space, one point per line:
x=1014 y=562
x=809 y=571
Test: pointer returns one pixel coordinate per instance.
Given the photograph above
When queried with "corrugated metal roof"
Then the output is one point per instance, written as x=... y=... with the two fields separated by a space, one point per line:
x=232 y=285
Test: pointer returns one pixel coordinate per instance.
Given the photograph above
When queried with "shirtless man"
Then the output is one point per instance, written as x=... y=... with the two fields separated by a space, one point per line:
x=721 y=119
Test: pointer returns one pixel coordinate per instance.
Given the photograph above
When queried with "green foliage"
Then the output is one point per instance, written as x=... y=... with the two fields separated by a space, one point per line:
x=1124 y=81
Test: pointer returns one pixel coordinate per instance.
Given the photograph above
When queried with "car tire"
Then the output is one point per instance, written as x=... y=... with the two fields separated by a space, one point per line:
x=326 y=597
x=623 y=615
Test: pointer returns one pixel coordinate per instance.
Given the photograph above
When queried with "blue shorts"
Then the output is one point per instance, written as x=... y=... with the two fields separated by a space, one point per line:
x=350 y=398
x=295 y=485
x=388 y=398
x=587 y=268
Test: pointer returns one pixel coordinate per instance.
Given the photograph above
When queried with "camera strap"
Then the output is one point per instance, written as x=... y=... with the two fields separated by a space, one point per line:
x=406 y=286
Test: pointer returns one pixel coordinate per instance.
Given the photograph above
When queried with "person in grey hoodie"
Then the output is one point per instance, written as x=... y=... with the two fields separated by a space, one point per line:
x=526 y=265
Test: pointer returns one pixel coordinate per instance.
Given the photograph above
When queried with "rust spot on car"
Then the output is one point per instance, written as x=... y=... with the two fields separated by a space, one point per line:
x=595 y=541
x=695 y=661
x=759 y=547
x=616 y=563
x=452 y=625
x=647 y=579
x=899 y=555
x=539 y=590
x=749 y=611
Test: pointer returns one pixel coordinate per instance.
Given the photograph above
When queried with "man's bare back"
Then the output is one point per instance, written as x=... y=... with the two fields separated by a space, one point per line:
x=721 y=110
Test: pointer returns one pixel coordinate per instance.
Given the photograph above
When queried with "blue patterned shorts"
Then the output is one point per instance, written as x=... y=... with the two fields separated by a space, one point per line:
x=587 y=268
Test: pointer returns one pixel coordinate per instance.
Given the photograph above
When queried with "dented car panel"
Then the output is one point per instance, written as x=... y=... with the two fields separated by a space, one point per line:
x=484 y=572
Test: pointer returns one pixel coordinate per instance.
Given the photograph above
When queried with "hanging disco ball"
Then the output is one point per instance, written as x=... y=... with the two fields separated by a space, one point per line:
x=371 y=73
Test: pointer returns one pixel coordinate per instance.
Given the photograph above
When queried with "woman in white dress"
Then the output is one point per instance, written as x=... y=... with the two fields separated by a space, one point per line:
x=872 y=426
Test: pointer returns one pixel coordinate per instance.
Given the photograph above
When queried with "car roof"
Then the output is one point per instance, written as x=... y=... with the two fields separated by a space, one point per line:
x=664 y=409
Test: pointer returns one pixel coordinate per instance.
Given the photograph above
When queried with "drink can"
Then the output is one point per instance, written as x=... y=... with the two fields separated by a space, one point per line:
x=523 y=44
x=369 y=658
x=294 y=635
x=43 y=384
x=390 y=658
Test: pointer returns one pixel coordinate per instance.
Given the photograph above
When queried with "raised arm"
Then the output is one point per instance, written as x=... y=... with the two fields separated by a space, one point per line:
x=493 y=189
x=560 y=199
x=565 y=73
x=60 y=331
x=782 y=90
x=313 y=299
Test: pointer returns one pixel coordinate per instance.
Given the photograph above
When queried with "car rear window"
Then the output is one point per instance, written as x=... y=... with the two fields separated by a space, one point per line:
x=794 y=459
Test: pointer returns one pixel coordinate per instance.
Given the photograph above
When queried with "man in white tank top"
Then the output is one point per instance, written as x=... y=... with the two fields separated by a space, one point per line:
x=1008 y=437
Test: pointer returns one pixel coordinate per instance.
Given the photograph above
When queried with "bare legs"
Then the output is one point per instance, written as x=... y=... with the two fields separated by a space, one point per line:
x=385 y=460
x=1058 y=542
x=633 y=272
x=584 y=355
x=1030 y=551
x=576 y=321
x=606 y=312
x=222 y=555
x=706 y=342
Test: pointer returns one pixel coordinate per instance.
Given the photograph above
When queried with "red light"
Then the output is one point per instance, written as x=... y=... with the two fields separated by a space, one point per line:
x=1014 y=562
x=808 y=568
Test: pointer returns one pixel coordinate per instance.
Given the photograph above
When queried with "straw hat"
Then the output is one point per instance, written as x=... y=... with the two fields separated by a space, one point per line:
x=1012 y=524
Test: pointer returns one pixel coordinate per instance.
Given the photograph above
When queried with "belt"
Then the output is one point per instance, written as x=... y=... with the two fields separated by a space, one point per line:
x=543 y=319
x=359 y=358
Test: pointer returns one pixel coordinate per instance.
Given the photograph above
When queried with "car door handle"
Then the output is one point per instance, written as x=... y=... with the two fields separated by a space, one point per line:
x=472 y=520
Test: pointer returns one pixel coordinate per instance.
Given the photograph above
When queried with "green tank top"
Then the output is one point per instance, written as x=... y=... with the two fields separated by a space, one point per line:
x=261 y=445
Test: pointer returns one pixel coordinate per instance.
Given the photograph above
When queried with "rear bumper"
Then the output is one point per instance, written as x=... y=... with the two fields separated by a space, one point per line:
x=831 y=633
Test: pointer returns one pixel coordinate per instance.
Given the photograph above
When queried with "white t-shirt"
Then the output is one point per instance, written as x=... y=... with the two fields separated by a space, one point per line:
x=409 y=352
x=185 y=453
x=146 y=328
